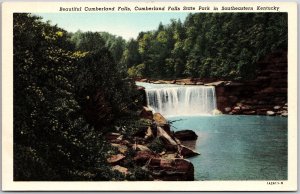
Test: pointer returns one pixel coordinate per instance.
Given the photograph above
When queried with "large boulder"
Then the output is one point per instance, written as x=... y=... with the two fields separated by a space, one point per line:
x=113 y=159
x=142 y=95
x=277 y=107
x=218 y=83
x=175 y=169
x=270 y=113
x=185 y=135
x=227 y=109
x=112 y=136
x=146 y=113
x=144 y=80
x=160 y=121
x=187 y=152
x=120 y=141
x=165 y=137
x=121 y=148
x=187 y=81
x=169 y=156
x=190 y=144
x=141 y=157
x=246 y=107
x=149 y=133
x=140 y=147
x=121 y=169
x=216 y=112
x=250 y=112
x=284 y=114
x=159 y=82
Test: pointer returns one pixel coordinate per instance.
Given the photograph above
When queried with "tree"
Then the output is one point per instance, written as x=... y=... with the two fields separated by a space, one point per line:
x=92 y=41
x=103 y=91
x=131 y=55
x=211 y=45
x=53 y=140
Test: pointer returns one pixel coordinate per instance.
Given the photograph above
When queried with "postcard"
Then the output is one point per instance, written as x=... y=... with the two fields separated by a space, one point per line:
x=149 y=96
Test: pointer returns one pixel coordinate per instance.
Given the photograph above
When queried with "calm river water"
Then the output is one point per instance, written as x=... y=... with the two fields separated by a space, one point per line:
x=238 y=147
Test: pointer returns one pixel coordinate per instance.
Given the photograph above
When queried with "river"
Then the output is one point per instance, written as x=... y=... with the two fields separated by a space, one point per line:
x=232 y=147
x=238 y=147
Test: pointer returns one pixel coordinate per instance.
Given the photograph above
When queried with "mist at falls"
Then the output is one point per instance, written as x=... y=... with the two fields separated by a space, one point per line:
x=172 y=100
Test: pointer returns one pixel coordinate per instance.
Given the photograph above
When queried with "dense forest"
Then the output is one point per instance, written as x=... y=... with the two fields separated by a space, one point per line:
x=70 y=89
x=66 y=97
x=210 y=45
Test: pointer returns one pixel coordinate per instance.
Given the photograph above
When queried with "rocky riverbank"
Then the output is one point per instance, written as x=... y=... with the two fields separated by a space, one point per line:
x=159 y=151
x=264 y=95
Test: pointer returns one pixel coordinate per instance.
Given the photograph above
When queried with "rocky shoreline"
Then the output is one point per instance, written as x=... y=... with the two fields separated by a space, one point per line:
x=163 y=153
x=158 y=150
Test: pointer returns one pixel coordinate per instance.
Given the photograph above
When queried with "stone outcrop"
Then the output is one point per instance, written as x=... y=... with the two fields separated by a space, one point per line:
x=141 y=147
x=113 y=136
x=142 y=157
x=171 y=169
x=168 y=163
x=162 y=134
x=160 y=121
x=146 y=113
x=264 y=95
x=121 y=148
x=185 y=135
x=121 y=169
x=142 y=95
x=187 y=152
x=113 y=159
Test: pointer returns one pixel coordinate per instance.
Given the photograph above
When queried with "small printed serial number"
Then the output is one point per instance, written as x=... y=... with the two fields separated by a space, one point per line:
x=274 y=183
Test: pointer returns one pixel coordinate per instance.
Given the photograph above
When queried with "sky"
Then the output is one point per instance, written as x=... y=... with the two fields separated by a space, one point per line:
x=127 y=25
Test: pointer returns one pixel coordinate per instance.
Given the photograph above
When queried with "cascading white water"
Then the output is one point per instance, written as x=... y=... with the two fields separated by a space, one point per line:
x=181 y=100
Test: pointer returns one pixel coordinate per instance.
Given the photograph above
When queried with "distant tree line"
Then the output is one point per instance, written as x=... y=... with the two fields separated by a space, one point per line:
x=207 y=45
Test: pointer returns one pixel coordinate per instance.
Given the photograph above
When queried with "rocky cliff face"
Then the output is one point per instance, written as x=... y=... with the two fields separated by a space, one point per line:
x=265 y=95
x=156 y=149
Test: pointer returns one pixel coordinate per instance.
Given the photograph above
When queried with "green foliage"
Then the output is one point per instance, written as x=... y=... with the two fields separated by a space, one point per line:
x=87 y=41
x=209 y=45
x=63 y=101
x=157 y=145
x=115 y=44
x=29 y=166
x=136 y=71
x=140 y=174
x=101 y=89
x=93 y=41
x=130 y=124
x=131 y=56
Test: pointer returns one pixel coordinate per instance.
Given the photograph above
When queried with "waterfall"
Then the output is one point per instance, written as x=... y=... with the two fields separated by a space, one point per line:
x=181 y=100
